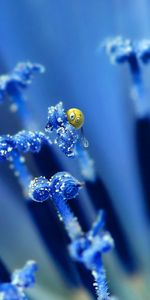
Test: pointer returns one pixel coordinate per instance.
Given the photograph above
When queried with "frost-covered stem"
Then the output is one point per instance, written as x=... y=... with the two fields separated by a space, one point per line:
x=100 y=283
x=65 y=214
x=21 y=170
x=64 y=187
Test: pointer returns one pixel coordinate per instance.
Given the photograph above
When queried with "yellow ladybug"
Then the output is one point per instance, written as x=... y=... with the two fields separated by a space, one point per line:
x=75 y=117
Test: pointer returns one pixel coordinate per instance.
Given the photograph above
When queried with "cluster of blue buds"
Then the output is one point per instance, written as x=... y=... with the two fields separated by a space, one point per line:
x=60 y=188
x=12 y=83
x=61 y=185
x=86 y=248
x=22 y=142
x=123 y=50
x=21 y=280
x=66 y=136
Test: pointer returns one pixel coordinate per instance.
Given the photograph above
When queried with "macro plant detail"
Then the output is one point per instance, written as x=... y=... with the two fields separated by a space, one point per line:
x=72 y=142
x=74 y=150
x=21 y=280
x=67 y=138
x=65 y=130
x=86 y=248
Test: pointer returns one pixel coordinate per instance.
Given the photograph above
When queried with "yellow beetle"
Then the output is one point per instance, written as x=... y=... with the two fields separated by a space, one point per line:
x=75 y=117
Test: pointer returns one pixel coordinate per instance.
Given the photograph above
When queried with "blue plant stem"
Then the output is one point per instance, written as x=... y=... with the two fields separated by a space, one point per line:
x=122 y=51
x=137 y=79
x=99 y=272
x=100 y=284
x=98 y=225
x=66 y=215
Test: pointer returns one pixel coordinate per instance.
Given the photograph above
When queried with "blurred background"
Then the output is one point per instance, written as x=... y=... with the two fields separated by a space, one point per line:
x=66 y=37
